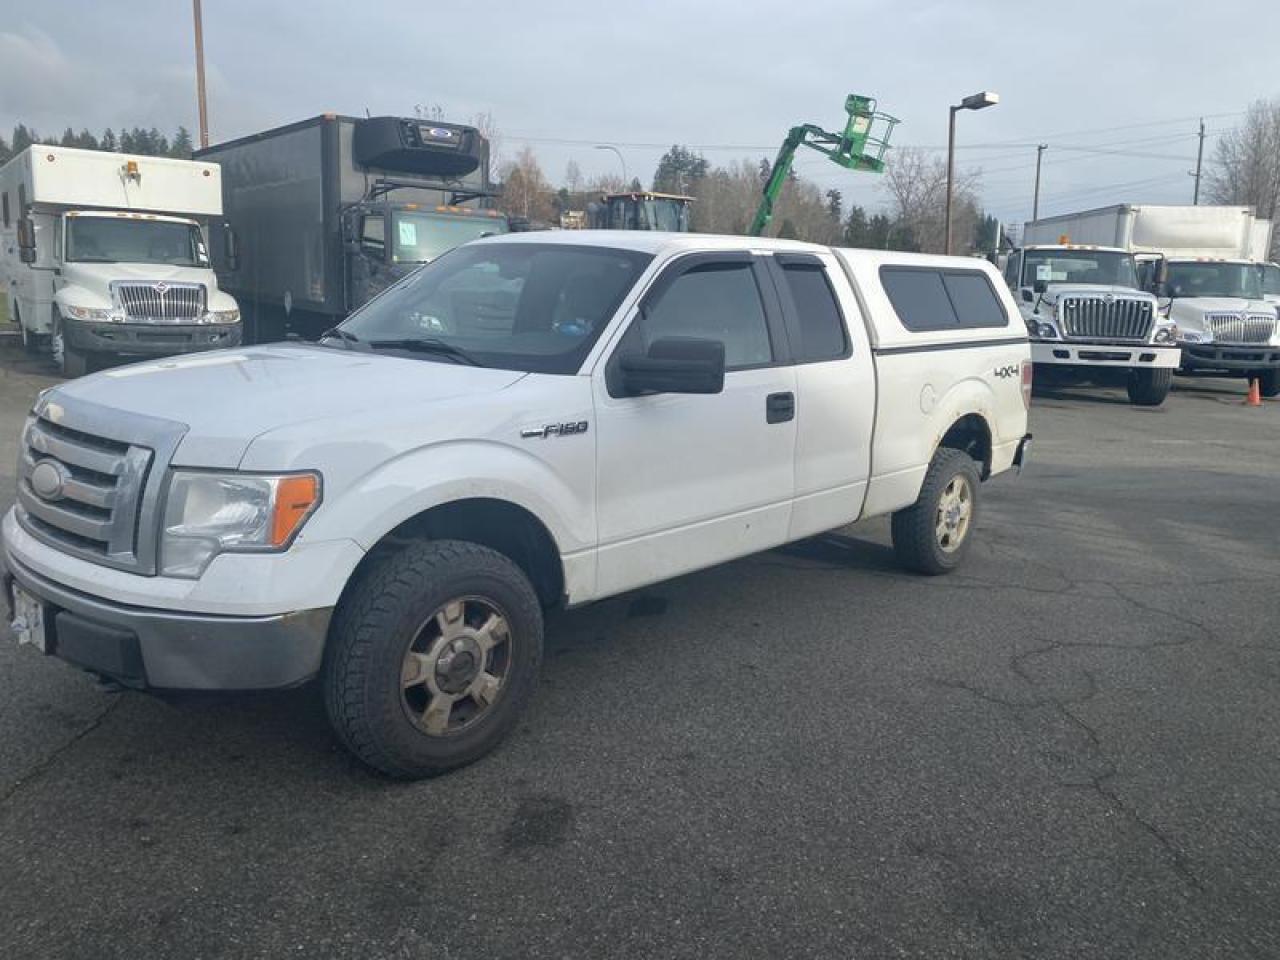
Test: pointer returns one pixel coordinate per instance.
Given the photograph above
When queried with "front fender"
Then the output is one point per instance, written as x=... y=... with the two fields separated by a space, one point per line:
x=74 y=295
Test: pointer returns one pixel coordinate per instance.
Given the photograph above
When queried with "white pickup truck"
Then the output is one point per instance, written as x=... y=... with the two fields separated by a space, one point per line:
x=529 y=421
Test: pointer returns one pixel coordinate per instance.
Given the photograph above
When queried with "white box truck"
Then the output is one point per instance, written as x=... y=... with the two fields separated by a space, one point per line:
x=105 y=255
x=1204 y=263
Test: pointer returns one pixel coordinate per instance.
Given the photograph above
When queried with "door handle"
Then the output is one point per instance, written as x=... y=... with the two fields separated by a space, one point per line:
x=780 y=407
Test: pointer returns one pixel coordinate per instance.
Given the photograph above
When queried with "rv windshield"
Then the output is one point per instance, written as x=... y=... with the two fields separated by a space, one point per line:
x=129 y=240
x=1106 y=267
x=1207 y=278
x=421 y=237
x=536 y=307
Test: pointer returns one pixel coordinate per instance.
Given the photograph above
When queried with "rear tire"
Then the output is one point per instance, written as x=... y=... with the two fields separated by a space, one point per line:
x=1268 y=382
x=932 y=535
x=1148 y=388
x=432 y=657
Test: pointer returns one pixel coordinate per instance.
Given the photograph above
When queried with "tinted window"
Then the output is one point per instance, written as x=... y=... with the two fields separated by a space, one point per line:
x=373 y=236
x=929 y=299
x=520 y=306
x=822 y=333
x=717 y=301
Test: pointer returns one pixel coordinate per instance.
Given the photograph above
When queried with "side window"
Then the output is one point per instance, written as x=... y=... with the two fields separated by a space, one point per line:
x=928 y=299
x=22 y=200
x=715 y=301
x=822 y=330
x=5 y=204
x=373 y=237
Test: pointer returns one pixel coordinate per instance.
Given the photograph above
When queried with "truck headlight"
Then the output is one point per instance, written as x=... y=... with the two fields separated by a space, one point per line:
x=222 y=316
x=1046 y=331
x=94 y=315
x=1196 y=336
x=209 y=513
x=1166 y=334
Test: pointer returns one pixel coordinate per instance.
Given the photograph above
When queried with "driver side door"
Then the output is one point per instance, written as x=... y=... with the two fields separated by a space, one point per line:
x=686 y=481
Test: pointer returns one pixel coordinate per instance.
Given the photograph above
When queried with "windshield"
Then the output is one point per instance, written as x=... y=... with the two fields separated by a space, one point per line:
x=536 y=307
x=1271 y=280
x=1105 y=267
x=1209 y=279
x=129 y=240
x=626 y=213
x=421 y=237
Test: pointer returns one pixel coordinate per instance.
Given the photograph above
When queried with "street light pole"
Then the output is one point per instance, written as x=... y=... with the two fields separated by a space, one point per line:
x=1035 y=203
x=977 y=101
x=200 y=99
x=621 y=159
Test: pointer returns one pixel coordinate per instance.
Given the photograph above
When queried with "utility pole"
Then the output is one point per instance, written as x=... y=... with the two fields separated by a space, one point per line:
x=1195 y=200
x=200 y=99
x=1035 y=203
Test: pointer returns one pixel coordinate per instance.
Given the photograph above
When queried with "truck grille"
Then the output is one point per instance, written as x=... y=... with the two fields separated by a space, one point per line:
x=1103 y=318
x=1240 y=327
x=160 y=301
x=81 y=492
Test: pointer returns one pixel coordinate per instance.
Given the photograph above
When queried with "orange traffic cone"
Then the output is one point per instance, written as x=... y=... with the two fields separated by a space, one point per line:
x=1254 y=397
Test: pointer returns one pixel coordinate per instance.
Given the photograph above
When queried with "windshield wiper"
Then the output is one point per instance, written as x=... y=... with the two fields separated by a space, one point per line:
x=428 y=345
x=339 y=334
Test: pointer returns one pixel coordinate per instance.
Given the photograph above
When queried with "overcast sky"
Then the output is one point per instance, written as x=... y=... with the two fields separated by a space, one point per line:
x=1122 y=76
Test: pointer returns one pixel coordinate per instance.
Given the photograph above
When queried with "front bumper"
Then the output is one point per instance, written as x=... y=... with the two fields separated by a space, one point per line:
x=1101 y=353
x=1221 y=356
x=149 y=339
x=165 y=650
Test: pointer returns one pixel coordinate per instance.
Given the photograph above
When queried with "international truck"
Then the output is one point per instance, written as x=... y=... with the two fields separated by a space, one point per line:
x=106 y=256
x=1087 y=319
x=328 y=212
x=532 y=421
x=1204 y=264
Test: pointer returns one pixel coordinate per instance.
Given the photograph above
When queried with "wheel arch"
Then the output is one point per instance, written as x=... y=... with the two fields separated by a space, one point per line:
x=970 y=433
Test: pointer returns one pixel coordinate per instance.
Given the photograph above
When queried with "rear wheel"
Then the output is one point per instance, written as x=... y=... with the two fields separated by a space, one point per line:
x=432 y=657
x=1149 y=387
x=1268 y=382
x=932 y=535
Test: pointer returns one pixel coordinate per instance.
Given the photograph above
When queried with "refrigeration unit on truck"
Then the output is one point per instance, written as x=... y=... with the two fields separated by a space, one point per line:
x=1087 y=318
x=105 y=256
x=330 y=211
x=1204 y=264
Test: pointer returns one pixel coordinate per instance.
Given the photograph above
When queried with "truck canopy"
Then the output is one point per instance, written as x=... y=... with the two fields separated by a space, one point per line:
x=93 y=179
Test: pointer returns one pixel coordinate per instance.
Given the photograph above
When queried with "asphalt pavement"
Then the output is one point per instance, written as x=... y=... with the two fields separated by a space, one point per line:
x=1068 y=749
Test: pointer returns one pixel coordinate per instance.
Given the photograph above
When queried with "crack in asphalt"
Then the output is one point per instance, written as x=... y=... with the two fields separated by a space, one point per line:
x=45 y=764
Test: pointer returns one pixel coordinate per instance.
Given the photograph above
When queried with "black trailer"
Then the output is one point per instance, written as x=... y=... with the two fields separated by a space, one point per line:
x=327 y=212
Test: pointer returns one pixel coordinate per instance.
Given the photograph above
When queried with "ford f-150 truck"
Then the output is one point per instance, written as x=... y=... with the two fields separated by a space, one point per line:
x=529 y=421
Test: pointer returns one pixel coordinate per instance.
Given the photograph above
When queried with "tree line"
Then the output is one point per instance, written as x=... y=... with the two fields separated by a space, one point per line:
x=138 y=140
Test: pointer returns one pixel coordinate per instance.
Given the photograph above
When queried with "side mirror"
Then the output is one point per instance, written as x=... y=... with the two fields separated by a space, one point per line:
x=26 y=240
x=1027 y=296
x=230 y=248
x=1041 y=285
x=675 y=365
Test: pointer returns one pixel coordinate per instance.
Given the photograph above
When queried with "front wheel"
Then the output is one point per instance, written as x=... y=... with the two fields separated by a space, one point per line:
x=1149 y=387
x=932 y=535
x=432 y=656
x=70 y=362
x=1268 y=382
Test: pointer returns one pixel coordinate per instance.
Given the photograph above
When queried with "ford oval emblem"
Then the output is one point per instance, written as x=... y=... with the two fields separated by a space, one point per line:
x=439 y=133
x=49 y=479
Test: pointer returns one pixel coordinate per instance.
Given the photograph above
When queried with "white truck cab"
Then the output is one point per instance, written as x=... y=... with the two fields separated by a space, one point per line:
x=106 y=256
x=529 y=421
x=1085 y=314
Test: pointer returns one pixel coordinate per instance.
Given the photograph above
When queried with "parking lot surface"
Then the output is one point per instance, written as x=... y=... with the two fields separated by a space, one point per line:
x=1071 y=748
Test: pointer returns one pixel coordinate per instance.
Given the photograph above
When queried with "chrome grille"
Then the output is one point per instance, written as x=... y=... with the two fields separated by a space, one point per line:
x=160 y=301
x=1240 y=327
x=1105 y=318
x=93 y=510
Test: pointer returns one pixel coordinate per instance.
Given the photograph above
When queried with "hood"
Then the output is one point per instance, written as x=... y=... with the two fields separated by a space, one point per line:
x=225 y=398
x=1222 y=305
x=97 y=277
x=1055 y=291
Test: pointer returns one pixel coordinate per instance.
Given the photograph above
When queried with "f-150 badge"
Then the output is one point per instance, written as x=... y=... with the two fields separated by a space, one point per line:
x=554 y=430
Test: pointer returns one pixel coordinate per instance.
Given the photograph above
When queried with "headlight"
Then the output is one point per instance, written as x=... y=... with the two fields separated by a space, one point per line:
x=211 y=513
x=222 y=316
x=94 y=315
x=1196 y=336
x=1166 y=334
x=1046 y=331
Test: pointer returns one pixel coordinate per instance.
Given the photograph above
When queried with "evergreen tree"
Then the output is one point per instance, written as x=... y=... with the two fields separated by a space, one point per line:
x=68 y=138
x=182 y=145
x=856 y=229
x=108 y=141
x=835 y=204
x=22 y=138
x=5 y=152
x=158 y=142
x=680 y=170
x=86 y=140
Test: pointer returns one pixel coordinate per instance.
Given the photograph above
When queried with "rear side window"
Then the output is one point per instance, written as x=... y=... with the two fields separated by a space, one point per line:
x=926 y=298
x=822 y=332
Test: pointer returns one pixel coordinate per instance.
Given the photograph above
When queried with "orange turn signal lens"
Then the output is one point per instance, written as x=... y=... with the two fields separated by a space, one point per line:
x=296 y=497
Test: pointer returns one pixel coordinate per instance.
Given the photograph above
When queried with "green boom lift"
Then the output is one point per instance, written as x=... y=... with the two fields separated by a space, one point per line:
x=858 y=147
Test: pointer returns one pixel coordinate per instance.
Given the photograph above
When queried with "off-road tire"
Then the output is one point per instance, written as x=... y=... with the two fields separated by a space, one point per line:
x=375 y=623
x=1268 y=382
x=1149 y=387
x=915 y=536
